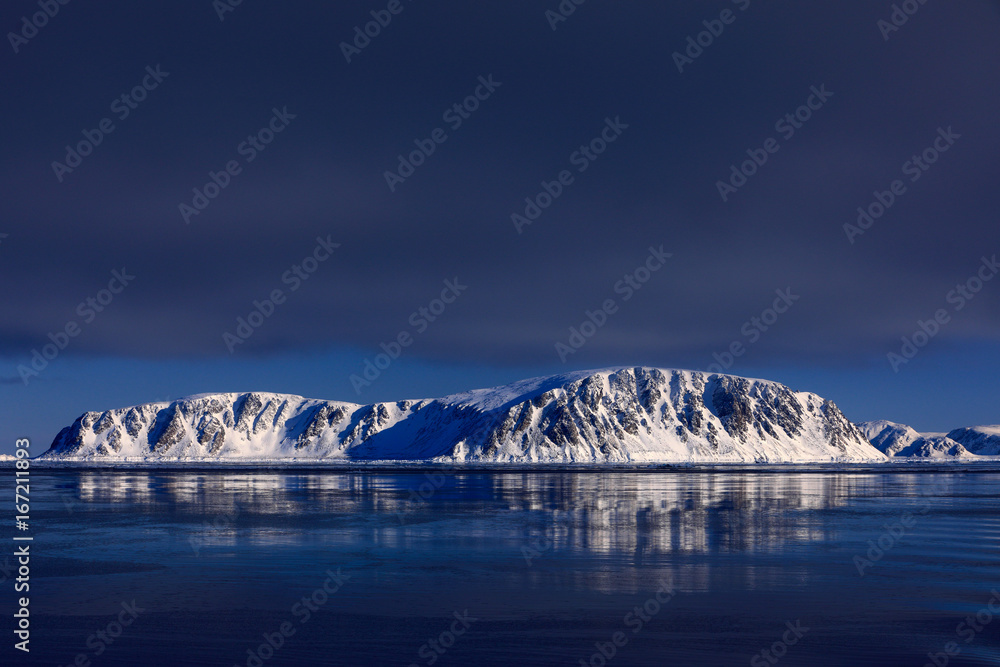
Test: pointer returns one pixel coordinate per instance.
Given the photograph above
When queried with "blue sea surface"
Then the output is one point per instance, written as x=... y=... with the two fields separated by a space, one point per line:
x=262 y=568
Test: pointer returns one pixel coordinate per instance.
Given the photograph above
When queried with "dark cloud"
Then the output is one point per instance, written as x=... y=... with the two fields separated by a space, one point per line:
x=323 y=176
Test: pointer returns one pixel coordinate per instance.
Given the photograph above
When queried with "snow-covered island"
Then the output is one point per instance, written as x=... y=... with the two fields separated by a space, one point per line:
x=614 y=416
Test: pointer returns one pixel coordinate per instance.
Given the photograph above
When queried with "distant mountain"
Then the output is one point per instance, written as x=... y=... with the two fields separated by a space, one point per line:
x=980 y=440
x=634 y=415
x=899 y=440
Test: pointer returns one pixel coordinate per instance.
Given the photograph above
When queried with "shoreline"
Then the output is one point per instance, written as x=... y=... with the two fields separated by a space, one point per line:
x=992 y=464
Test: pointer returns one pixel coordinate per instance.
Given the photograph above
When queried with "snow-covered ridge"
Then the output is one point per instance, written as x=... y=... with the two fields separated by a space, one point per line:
x=979 y=440
x=899 y=440
x=637 y=415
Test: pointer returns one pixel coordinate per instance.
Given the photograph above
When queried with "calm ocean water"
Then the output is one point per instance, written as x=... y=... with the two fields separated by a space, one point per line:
x=375 y=568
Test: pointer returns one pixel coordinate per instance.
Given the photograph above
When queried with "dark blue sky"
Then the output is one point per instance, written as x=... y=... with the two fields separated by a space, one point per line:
x=592 y=122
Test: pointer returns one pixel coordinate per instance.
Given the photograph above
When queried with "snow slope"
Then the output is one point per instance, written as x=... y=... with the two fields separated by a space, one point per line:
x=615 y=415
x=900 y=440
x=980 y=440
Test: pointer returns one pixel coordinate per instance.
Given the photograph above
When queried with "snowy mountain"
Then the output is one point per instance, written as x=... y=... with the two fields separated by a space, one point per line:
x=980 y=440
x=616 y=415
x=900 y=440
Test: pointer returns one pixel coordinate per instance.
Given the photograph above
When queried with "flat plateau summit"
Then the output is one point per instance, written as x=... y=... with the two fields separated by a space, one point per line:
x=621 y=415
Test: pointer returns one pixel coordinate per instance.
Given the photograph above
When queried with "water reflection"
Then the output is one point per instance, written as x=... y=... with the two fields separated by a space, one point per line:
x=542 y=558
x=643 y=514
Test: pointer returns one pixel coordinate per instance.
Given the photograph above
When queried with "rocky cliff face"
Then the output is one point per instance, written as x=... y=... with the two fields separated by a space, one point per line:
x=619 y=415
